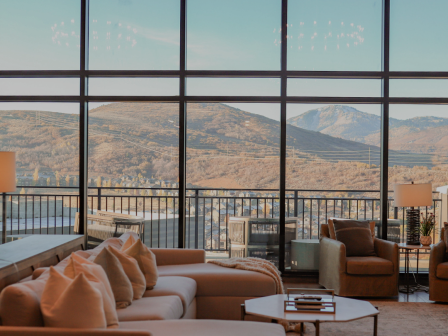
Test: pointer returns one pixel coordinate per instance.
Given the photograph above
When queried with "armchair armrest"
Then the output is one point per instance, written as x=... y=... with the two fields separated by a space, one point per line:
x=332 y=256
x=436 y=257
x=166 y=256
x=387 y=250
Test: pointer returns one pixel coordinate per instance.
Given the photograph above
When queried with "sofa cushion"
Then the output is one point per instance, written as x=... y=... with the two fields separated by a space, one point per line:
x=205 y=327
x=119 y=281
x=68 y=303
x=133 y=272
x=146 y=261
x=214 y=280
x=184 y=288
x=152 y=308
x=442 y=271
x=369 y=266
x=356 y=236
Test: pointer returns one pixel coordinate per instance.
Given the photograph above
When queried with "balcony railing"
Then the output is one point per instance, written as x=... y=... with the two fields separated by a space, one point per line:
x=50 y=211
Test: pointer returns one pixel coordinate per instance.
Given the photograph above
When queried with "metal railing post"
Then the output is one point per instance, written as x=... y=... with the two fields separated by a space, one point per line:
x=196 y=219
x=99 y=199
x=296 y=203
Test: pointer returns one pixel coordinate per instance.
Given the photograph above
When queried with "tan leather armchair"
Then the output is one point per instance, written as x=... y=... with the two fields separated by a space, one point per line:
x=438 y=271
x=358 y=276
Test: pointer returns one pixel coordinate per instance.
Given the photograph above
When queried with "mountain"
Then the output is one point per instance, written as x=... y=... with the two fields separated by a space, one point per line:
x=226 y=146
x=351 y=124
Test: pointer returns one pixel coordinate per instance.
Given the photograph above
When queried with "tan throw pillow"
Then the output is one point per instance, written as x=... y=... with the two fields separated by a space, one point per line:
x=132 y=270
x=128 y=243
x=356 y=236
x=331 y=227
x=96 y=275
x=119 y=281
x=146 y=261
x=68 y=303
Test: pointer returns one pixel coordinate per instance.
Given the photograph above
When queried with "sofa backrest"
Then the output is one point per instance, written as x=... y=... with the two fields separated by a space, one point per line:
x=20 y=331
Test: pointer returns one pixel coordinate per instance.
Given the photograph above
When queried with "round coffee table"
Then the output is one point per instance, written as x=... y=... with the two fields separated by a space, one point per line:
x=272 y=307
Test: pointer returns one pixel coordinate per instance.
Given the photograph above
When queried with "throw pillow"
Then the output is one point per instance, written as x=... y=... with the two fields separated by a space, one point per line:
x=128 y=243
x=68 y=303
x=96 y=275
x=356 y=236
x=331 y=227
x=146 y=261
x=119 y=281
x=132 y=270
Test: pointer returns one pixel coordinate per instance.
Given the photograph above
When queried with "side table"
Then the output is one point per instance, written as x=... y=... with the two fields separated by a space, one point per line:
x=305 y=254
x=409 y=289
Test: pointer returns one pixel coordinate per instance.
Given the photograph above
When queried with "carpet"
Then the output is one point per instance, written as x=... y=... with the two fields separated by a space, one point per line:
x=396 y=318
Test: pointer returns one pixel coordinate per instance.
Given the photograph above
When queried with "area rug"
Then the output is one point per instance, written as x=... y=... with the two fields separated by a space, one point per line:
x=396 y=318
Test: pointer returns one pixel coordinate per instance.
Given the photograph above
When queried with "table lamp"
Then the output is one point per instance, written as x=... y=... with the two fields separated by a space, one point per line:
x=410 y=196
x=7 y=182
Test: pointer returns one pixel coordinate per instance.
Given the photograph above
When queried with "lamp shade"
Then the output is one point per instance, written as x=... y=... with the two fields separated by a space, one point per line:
x=7 y=171
x=413 y=195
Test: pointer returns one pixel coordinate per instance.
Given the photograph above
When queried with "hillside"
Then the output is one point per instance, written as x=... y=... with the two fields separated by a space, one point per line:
x=227 y=147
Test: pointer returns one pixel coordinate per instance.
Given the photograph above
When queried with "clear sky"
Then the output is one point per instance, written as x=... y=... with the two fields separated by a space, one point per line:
x=227 y=35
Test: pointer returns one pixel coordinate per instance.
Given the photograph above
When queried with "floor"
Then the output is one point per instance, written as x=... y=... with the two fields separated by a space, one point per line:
x=420 y=296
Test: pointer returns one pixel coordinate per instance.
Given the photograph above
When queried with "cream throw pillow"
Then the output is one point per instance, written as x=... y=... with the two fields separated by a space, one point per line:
x=128 y=243
x=119 y=281
x=68 y=303
x=132 y=270
x=146 y=261
x=96 y=275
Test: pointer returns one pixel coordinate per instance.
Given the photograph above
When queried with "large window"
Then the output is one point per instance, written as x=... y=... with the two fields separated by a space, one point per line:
x=193 y=112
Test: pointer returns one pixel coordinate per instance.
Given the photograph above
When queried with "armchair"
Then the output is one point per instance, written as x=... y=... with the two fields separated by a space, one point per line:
x=358 y=276
x=438 y=271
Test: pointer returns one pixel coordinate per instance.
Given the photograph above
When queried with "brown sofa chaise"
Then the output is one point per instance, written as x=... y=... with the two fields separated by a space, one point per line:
x=358 y=276
x=187 y=288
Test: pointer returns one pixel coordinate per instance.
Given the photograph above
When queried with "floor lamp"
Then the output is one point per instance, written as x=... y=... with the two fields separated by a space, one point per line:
x=7 y=183
x=410 y=196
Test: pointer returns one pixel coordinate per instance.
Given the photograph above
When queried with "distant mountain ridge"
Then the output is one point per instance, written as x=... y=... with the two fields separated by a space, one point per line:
x=351 y=124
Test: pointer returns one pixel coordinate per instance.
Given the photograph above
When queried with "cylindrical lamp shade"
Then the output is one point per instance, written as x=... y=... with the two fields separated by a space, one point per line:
x=7 y=171
x=413 y=195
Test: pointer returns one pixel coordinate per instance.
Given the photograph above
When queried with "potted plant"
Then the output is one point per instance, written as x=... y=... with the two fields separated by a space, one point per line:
x=427 y=224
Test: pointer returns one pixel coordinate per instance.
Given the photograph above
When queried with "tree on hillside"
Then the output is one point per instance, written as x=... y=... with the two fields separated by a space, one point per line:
x=23 y=192
x=67 y=181
x=75 y=181
x=48 y=181
x=99 y=182
x=56 y=174
x=109 y=183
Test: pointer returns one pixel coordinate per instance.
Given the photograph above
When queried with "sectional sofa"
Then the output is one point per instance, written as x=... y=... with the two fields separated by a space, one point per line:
x=191 y=297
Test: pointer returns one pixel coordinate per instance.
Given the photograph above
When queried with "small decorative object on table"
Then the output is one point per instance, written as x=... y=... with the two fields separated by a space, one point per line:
x=305 y=300
x=427 y=224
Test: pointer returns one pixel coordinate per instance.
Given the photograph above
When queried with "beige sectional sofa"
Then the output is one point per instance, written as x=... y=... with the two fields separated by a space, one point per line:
x=188 y=294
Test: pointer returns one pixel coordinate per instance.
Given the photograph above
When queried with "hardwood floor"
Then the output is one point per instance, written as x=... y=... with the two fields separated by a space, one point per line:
x=415 y=297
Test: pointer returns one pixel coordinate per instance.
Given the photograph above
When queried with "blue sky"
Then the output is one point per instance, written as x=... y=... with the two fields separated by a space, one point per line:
x=227 y=35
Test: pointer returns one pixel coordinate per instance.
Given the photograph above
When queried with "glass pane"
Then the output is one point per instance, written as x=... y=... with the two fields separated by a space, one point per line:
x=233 y=86
x=39 y=86
x=134 y=86
x=133 y=165
x=45 y=137
x=418 y=39
x=419 y=88
x=334 y=35
x=334 y=87
x=39 y=35
x=233 y=160
x=417 y=153
x=134 y=35
x=332 y=168
x=233 y=34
